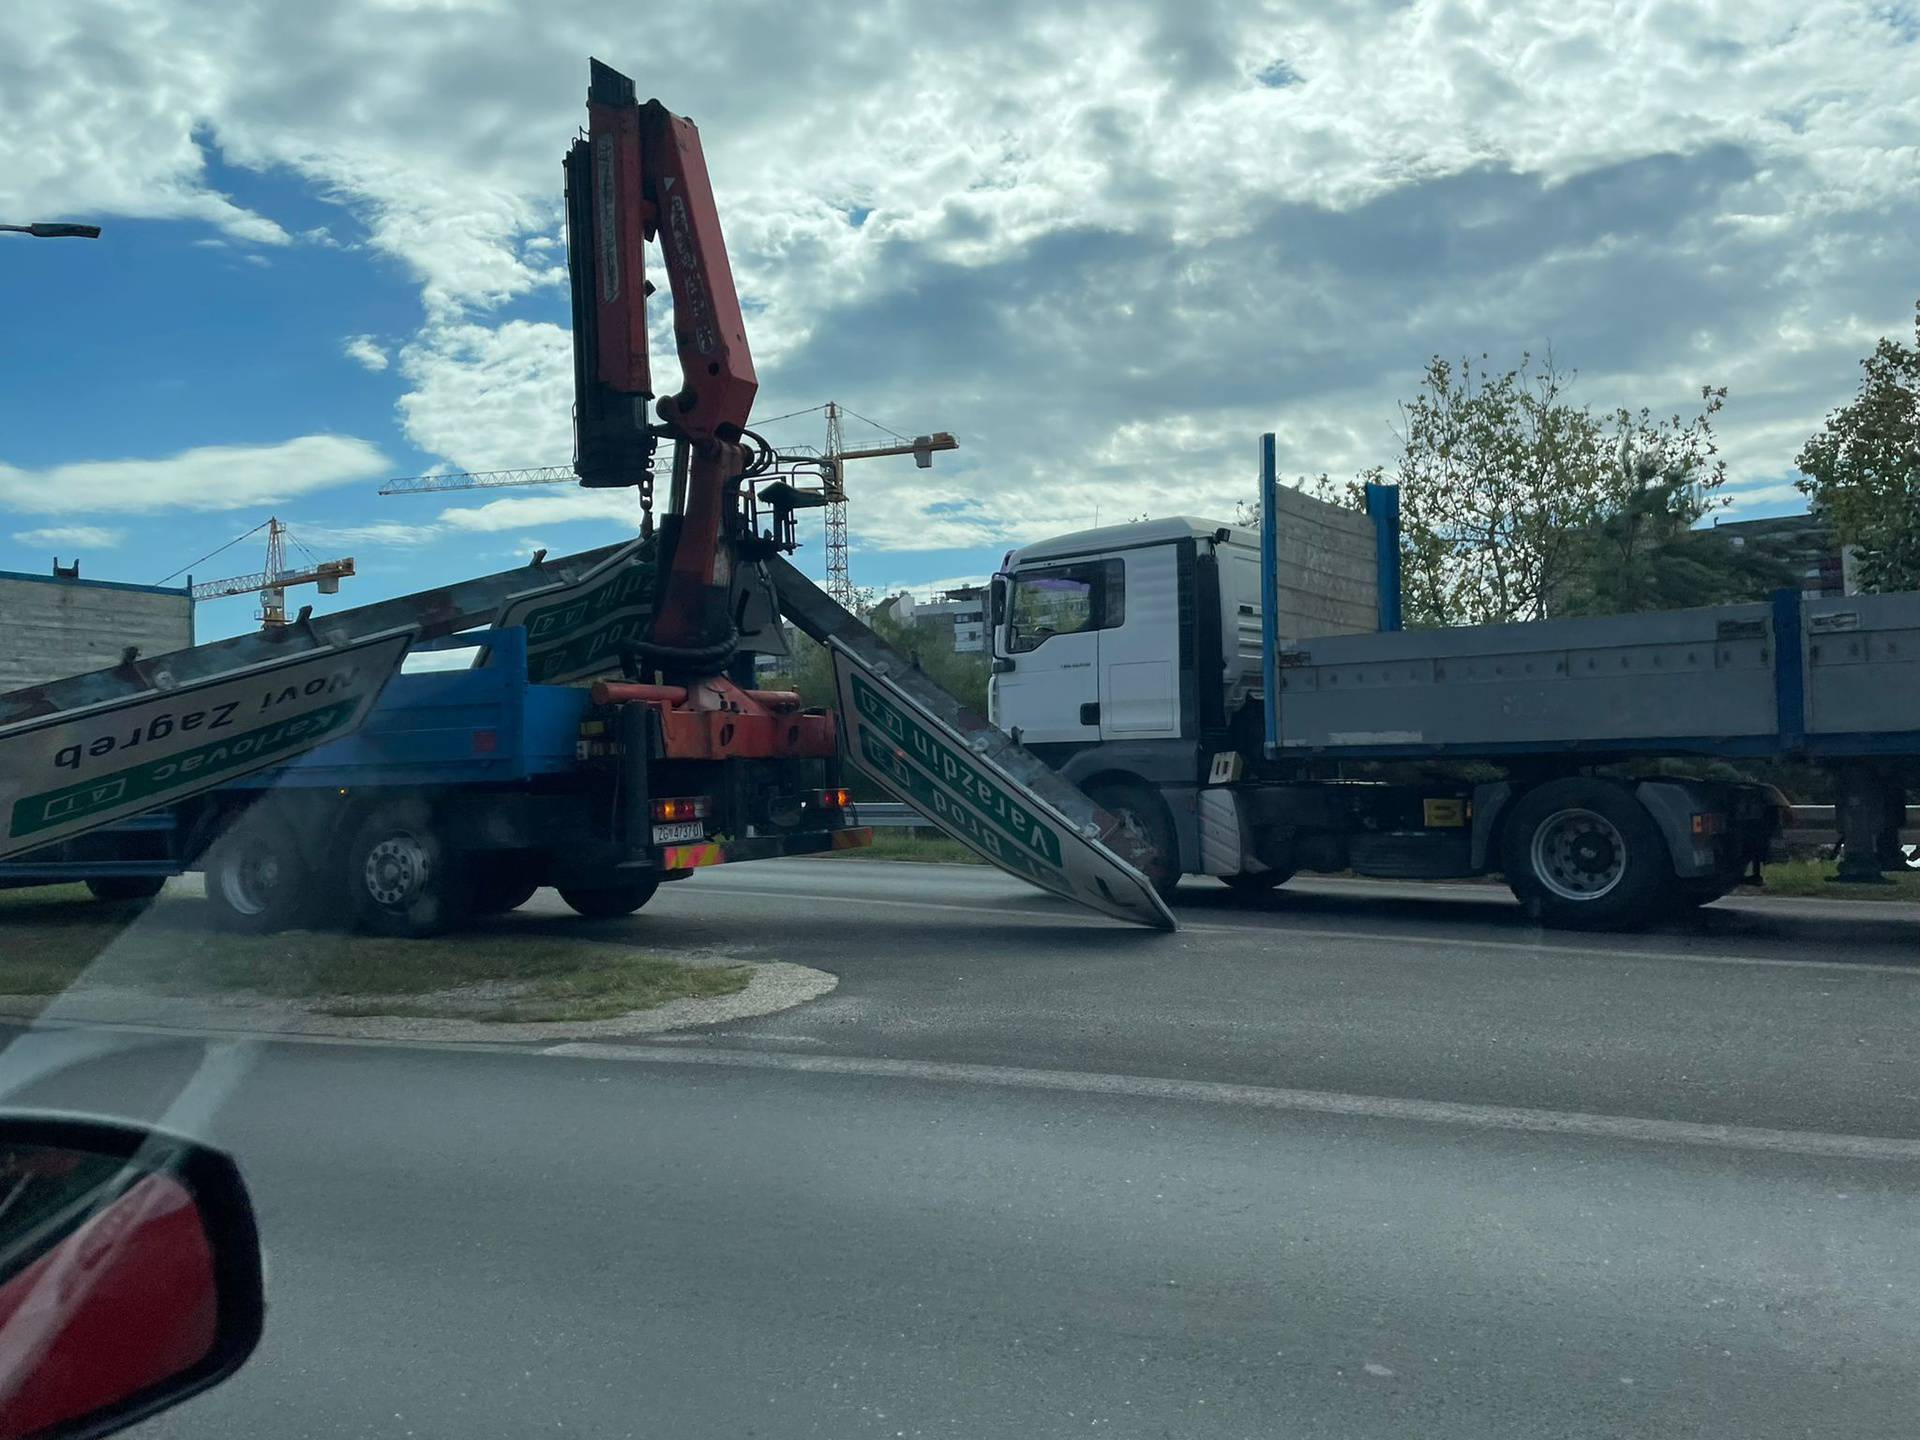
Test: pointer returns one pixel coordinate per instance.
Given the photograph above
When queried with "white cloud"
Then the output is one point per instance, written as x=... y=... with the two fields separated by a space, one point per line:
x=618 y=506
x=79 y=537
x=1092 y=241
x=365 y=352
x=490 y=398
x=396 y=534
x=210 y=477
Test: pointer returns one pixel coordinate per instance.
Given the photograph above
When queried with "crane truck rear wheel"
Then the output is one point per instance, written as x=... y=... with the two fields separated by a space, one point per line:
x=1584 y=854
x=401 y=876
x=1693 y=892
x=257 y=878
x=503 y=880
x=1146 y=839
x=123 y=888
x=611 y=901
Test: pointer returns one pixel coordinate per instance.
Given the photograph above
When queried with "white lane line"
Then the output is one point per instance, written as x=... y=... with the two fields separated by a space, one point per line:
x=1402 y=939
x=1263 y=1097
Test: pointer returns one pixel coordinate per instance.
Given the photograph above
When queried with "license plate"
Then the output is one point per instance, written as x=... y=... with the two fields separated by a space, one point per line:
x=678 y=831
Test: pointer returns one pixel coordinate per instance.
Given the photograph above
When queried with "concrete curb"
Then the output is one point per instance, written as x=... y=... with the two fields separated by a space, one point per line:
x=773 y=985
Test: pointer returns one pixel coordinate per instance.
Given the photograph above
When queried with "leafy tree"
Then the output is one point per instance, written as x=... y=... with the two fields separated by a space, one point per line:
x=1510 y=492
x=1861 y=471
x=1647 y=556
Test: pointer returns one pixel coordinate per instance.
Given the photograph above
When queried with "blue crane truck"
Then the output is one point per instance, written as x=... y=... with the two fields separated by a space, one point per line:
x=305 y=777
x=1248 y=705
x=463 y=792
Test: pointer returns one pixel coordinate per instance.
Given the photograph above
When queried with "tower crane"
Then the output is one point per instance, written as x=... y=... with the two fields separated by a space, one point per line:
x=272 y=582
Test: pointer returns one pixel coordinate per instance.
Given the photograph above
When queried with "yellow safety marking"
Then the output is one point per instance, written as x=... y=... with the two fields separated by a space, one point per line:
x=690 y=857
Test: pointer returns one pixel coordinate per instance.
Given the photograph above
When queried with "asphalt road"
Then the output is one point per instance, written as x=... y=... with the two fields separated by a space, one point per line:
x=1355 y=1161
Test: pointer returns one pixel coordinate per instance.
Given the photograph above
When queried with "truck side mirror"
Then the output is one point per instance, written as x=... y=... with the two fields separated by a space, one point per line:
x=129 y=1274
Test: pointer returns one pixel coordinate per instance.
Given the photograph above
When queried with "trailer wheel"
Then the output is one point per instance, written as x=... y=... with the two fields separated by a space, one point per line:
x=402 y=878
x=122 y=888
x=1146 y=828
x=611 y=901
x=1583 y=853
x=257 y=879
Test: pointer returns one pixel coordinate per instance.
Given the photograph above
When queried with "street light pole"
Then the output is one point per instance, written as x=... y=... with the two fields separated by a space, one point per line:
x=57 y=231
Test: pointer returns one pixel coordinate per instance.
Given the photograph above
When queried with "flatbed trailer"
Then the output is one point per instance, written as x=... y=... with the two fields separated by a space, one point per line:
x=1248 y=704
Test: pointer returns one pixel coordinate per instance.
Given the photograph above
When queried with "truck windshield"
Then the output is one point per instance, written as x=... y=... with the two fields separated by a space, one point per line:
x=1063 y=600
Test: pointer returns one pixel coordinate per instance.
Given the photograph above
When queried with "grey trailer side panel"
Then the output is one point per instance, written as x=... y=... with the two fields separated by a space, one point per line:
x=1705 y=672
x=1863 y=664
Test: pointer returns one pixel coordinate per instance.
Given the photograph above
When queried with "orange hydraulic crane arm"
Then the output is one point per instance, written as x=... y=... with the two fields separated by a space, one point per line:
x=639 y=173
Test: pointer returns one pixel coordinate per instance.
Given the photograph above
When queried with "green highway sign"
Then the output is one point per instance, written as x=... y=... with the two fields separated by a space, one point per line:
x=577 y=631
x=65 y=775
x=961 y=787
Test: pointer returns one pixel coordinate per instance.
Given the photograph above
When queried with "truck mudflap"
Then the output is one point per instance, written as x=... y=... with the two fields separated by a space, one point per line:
x=964 y=775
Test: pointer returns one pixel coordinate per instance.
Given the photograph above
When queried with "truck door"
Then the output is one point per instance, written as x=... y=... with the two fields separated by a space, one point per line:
x=1047 y=667
x=1140 y=646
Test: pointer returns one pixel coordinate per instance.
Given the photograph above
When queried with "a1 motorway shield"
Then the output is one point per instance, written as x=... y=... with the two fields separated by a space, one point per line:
x=83 y=769
x=979 y=802
x=577 y=631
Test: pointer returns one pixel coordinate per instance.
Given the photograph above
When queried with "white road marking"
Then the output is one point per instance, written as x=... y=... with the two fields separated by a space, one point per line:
x=1370 y=937
x=1264 y=1097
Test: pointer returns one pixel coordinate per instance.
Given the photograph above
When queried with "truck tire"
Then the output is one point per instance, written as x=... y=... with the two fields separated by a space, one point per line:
x=502 y=881
x=609 y=902
x=1145 y=822
x=1250 y=882
x=1692 y=892
x=257 y=878
x=1584 y=854
x=401 y=877
x=122 y=888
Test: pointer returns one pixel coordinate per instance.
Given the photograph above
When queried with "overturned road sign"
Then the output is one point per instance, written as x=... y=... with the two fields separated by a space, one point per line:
x=74 y=772
x=964 y=775
x=83 y=752
x=577 y=631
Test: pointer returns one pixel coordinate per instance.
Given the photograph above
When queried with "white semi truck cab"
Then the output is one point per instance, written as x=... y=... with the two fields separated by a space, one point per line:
x=1245 y=701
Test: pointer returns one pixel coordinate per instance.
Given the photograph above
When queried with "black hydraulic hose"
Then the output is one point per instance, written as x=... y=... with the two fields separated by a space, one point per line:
x=706 y=659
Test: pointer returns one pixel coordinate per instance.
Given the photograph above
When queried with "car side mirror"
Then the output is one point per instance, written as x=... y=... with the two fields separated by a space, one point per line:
x=129 y=1274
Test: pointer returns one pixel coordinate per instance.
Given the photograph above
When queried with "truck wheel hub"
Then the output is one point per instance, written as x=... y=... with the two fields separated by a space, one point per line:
x=396 y=868
x=247 y=885
x=1578 y=854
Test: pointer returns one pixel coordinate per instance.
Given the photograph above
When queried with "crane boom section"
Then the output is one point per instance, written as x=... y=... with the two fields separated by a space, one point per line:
x=640 y=175
x=716 y=365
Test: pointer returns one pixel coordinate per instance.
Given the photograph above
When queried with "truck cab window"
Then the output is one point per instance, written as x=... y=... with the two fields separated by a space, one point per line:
x=1064 y=600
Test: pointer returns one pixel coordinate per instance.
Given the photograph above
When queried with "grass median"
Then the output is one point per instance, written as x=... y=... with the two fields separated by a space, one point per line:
x=1803 y=878
x=52 y=938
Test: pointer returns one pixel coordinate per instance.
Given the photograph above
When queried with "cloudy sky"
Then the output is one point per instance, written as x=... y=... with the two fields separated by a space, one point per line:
x=1106 y=245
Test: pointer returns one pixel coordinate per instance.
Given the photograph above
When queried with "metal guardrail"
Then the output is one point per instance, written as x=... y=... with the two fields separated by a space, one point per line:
x=890 y=815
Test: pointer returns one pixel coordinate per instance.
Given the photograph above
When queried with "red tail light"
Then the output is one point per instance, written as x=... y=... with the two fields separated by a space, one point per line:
x=689 y=808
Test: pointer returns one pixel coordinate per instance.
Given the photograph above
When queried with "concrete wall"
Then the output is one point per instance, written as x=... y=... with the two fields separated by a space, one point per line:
x=1329 y=584
x=51 y=628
